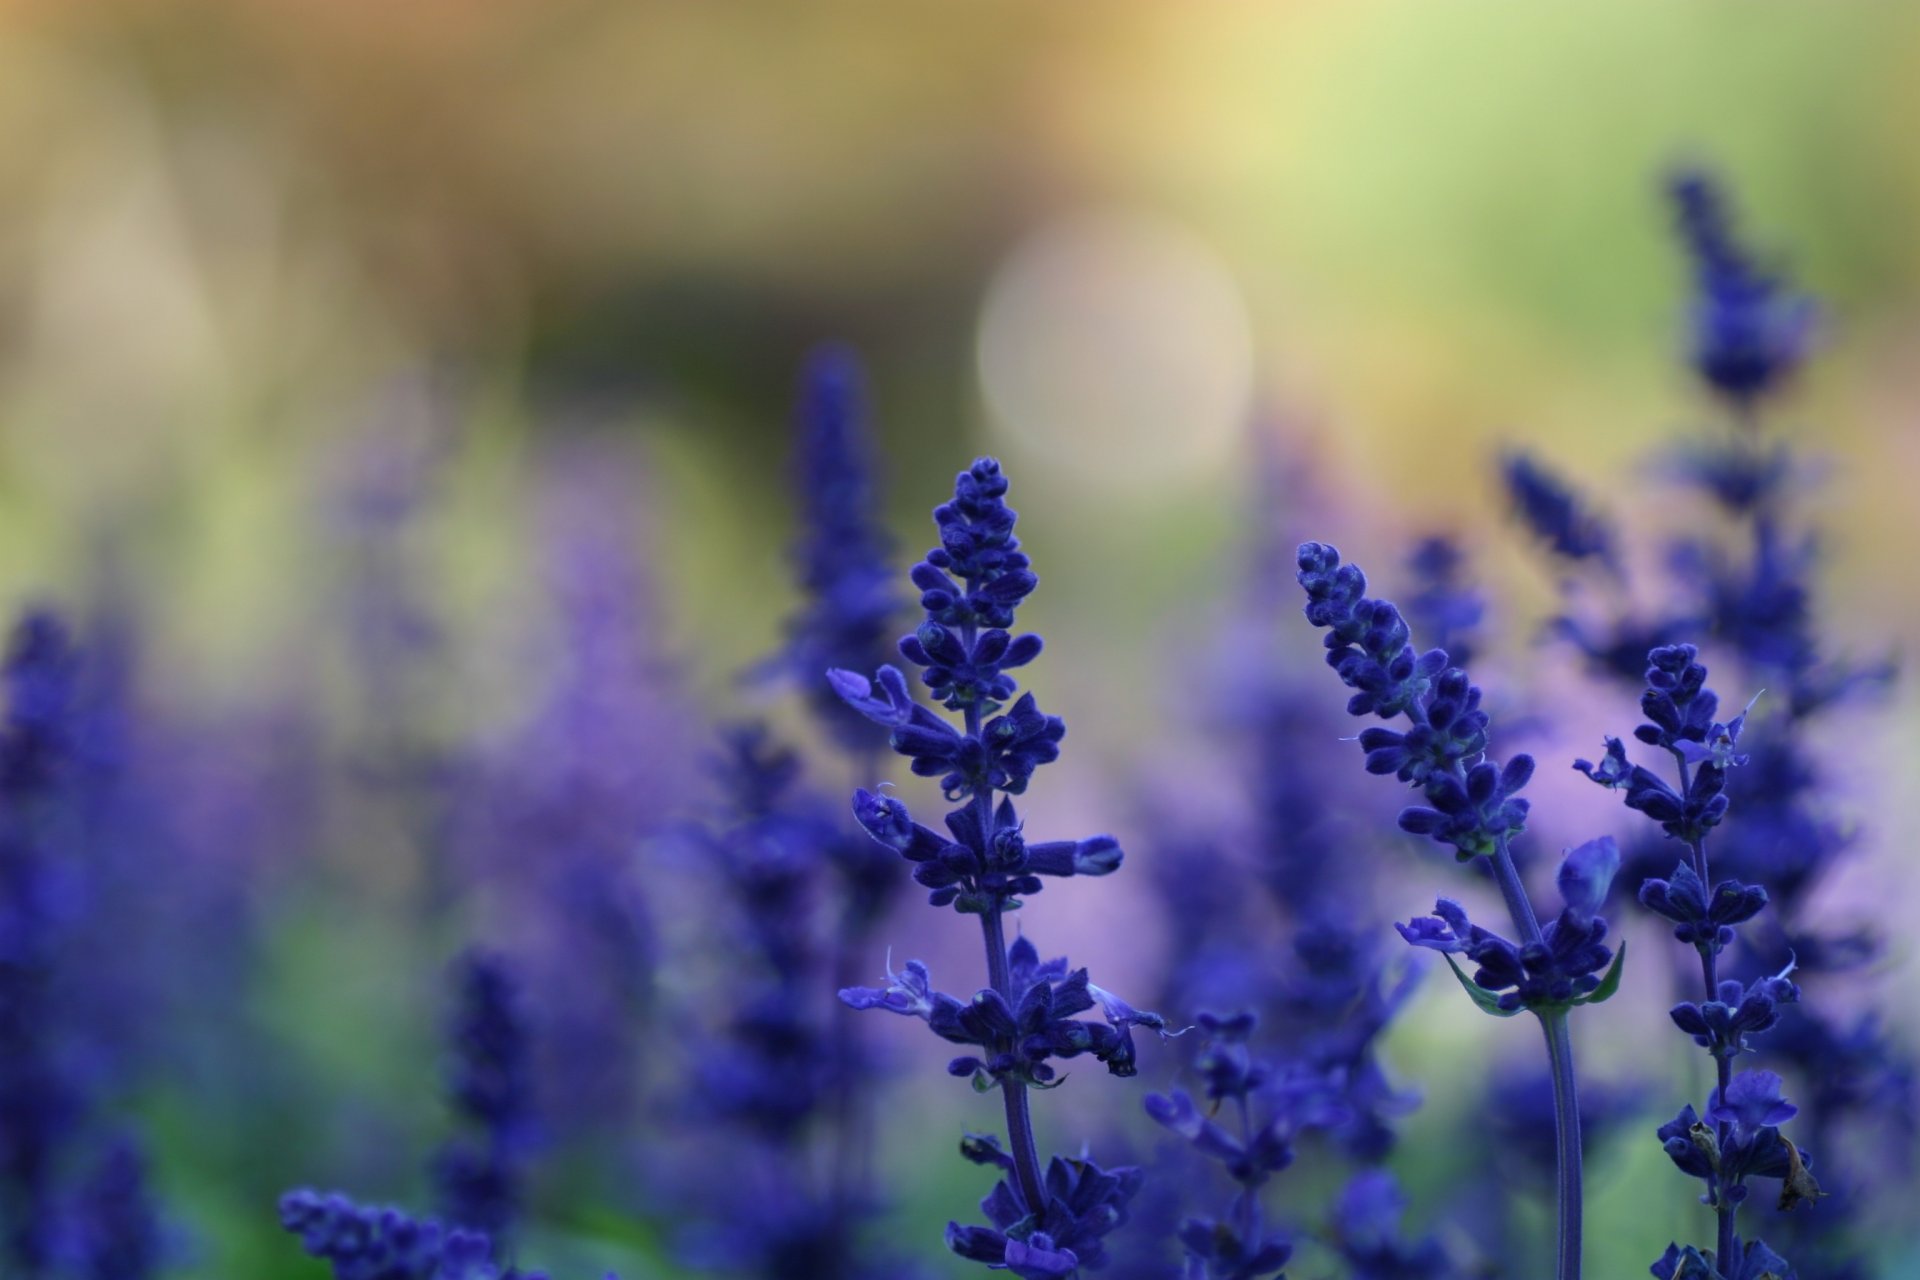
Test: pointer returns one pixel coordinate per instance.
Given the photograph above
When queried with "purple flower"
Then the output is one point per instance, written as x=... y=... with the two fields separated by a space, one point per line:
x=1749 y=332
x=362 y=1243
x=1553 y=513
x=490 y=1085
x=843 y=554
x=1752 y=1102
x=1026 y=1017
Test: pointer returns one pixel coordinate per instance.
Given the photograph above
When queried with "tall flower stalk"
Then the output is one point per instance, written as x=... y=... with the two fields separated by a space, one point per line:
x=1473 y=805
x=850 y=602
x=1738 y=1137
x=360 y=1242
x=489 y=1086
x=1045 y=1223
x=1238 y=1245
x=73 y=1191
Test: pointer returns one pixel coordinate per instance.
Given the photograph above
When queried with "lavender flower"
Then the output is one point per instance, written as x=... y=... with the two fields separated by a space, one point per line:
x=490 y=1087
x=1473 y=806
x=362 y=1243
x=1443 y=606
x=40 y=1108
x=970 y=585
x=1326 y=1010
x=1563 y=967
x=554 y=810
x=843 y=557
x=1749 y=333
x=1554 y=513
x=115 y=1225
x=769 y=1067
x=55 y=1219
x=1738 y=1138
x=1237 y=1246
x=1367 y=1233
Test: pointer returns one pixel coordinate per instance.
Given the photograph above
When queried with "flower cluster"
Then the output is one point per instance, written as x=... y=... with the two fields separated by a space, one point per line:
x=1084 y=1204
x=1563 y=967
x=1443 y=605
x=976 y=872
x=1238 y=1246
x=970 y=586
x=843 y=555
x=363 y=1243
x=1738 y=1138
x=1335 y=1003
x=1554 y=513
x=1749 y=333
x=1324 y=1010
x=1368 y=1237
x=490 y=1089
x=52 y=1212
x=1020 y=1036
x=768 y=1065
x=115 y=1232
x=1680 y=711
x=771 y=1072
x=1472 y=804
x=39 y=1108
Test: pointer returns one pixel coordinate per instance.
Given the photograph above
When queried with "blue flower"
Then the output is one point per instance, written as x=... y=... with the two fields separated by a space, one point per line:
x=1752 y=1102
x=1677 y=700
x=1680 y=713
x=1559 y=969
x=1749 y=332
x=1684 y=1262
x=1727 y=1158
x=843 y=554
x=1706 y=922
x=43 y=1108
x=1236 y=1246
x=1019 y=1038
x=1722 y=1025
x=977 y=547
x=1366 y=1233
x=1586 y=874
x=115 y=1224
x=1563 y=967
x=1084 y=1204
x=490 y=1086
x=1757 y=1262
x=1553 y=513
x=971 y=870
x=1449 y=730
x=1226 y=1253
x=1442 y=606
x=362 y=1243
x=1472 y=804
x=970 y=586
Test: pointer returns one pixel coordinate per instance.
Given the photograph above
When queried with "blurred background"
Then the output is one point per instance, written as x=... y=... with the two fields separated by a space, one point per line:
x=336 y=337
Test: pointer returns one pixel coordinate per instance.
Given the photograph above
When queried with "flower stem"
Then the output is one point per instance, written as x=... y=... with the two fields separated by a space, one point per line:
x=1724 y=1208
x=1566 y=1105
x=1026 y=1159
x=1519 y=906
x=1566 y=1135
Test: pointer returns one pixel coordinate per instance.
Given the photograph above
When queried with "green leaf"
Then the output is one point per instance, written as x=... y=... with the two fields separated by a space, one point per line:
x=1487 y=1000
x=1610 y=983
